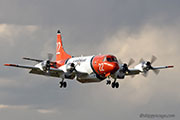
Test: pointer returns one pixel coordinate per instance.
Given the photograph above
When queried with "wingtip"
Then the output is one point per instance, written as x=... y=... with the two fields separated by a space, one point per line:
x=171 y=66
x=6 y=64
x=10 y=65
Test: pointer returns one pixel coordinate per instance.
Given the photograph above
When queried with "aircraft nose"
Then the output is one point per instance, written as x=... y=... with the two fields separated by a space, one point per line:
x=115 y=67
x=112 y=67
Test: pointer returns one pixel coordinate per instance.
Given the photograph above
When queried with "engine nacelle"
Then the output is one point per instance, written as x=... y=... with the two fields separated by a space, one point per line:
x=69 y=75
x=45 y=65
x=70 y=67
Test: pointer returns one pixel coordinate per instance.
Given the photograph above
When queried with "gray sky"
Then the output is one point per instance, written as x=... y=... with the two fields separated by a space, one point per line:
x=125 y=28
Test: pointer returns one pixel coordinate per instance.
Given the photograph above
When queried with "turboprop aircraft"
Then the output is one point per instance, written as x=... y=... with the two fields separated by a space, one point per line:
x=87 y=69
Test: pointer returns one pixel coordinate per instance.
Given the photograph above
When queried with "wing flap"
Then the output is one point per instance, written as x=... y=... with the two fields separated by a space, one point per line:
x=133 y=72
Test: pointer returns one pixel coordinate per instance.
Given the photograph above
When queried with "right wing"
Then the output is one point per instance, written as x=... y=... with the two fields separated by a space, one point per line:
x=53 y=72
x=22 y=66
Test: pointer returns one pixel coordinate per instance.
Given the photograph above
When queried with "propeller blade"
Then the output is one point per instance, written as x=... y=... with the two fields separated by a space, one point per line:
x=132 y=76
x=153 y=59
x=131 y=61
x=50 y=56
x=156 y=71
x=120 y=62
x=141 y=60
x=145 y=74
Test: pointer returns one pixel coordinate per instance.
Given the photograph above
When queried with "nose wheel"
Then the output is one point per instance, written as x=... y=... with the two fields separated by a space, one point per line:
x=62 y=84
x=108 y=82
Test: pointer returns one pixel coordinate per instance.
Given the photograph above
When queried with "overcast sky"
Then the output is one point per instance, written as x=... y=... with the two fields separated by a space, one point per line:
x=125 y=28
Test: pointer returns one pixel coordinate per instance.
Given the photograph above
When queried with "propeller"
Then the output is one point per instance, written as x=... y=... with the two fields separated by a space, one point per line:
x=156 y=71
x=141 y=60
x=125 y=65
x=131 y=61
x=50 y=56
x=153 y=59
x=145 y=74
x=71 y=67
x=148 y=66
x=48 y=63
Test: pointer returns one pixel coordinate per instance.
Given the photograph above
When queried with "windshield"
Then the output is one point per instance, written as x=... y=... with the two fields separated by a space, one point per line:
x=110 y=59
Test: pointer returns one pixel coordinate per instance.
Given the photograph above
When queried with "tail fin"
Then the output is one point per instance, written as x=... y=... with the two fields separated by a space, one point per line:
x=60 y=53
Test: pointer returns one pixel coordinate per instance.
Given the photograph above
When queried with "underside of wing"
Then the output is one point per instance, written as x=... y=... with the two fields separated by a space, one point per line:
x=51 y=73
x=133 y=72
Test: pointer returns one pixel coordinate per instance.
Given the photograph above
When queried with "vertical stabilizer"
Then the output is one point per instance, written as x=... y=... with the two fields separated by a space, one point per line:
x=60 y=53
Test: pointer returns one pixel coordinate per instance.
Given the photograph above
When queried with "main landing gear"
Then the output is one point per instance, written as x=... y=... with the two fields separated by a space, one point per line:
x=114 y=84
x=62 y=84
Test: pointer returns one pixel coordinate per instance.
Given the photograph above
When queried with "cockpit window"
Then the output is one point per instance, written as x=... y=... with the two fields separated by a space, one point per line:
x=110 y=59
x=114 y=59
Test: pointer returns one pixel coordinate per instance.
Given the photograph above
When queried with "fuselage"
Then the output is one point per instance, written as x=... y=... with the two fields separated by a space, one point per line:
x=97 y=68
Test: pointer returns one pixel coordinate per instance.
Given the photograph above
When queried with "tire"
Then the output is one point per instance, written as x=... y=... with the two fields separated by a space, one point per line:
x=113 y=84
x=117 y=85
x=64 y=84
x=108 y=82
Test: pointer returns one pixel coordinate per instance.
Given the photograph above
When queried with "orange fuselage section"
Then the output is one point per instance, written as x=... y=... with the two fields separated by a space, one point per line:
x=104 y=65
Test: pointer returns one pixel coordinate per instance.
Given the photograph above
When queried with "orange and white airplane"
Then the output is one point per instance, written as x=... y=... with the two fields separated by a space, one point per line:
x=87 y=69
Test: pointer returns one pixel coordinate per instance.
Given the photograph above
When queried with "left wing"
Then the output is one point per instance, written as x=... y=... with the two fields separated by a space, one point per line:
x=134 y=71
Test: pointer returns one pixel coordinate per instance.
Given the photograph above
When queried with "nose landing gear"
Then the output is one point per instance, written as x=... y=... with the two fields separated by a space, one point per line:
x=108 y=82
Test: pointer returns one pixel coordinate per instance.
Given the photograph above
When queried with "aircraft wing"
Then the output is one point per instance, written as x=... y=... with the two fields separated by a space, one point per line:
x=134 y=71
x=162 y=67
x=22 y=66
x=53 y=72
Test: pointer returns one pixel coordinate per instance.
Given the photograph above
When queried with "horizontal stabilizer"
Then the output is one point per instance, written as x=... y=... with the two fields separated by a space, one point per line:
x=31 y=59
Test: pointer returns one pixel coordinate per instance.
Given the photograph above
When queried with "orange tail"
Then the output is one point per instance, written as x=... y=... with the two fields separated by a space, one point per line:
x=60 y=53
